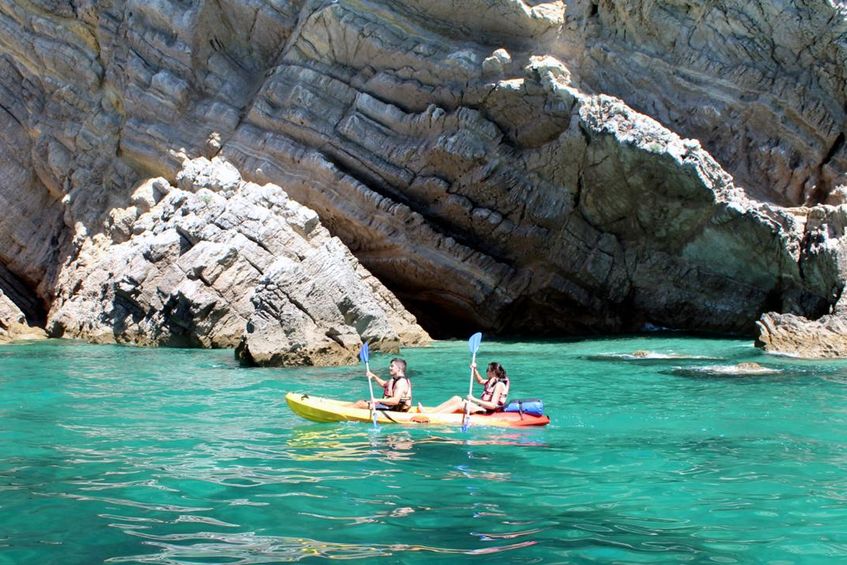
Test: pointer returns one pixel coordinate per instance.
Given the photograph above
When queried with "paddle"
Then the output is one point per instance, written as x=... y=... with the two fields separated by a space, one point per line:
x=363 y=357
x=473 y=345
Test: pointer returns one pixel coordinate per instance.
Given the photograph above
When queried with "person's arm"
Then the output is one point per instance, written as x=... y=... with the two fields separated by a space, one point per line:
x=378 y=380
x=476 y=374
x=499 y=388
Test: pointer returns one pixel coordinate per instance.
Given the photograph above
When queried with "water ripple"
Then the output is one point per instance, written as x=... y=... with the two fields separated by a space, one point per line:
x=247 y=548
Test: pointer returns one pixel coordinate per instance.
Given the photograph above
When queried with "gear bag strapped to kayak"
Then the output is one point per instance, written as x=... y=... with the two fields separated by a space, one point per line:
x=532 y=406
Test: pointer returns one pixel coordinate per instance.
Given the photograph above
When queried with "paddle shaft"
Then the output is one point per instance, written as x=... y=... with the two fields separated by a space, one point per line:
x=370 y=382
x=371 y=388
x=470 y=384
x=466 y=419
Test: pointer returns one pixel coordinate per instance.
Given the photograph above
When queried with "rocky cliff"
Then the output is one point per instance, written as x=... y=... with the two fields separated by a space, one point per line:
x=506 y=165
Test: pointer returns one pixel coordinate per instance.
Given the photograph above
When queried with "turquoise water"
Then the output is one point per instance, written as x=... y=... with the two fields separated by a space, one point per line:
x=124 y=455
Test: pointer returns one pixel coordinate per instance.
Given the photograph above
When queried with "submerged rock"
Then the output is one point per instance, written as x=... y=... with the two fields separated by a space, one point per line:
x=219 y=262
x=648 y=356
x=746 y=368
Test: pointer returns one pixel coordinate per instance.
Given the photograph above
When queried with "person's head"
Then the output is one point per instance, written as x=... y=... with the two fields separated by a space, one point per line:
x=397 y=367
x=495 y=370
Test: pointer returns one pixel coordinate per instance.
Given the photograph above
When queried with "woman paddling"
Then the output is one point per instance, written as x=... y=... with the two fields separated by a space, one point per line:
x=494 y=393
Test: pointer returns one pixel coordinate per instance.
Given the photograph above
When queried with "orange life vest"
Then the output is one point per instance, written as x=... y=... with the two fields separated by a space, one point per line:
x=405 y=401
x=488 y=392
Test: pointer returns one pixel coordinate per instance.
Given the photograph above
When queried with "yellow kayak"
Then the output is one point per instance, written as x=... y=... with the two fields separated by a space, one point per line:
x=319 y=409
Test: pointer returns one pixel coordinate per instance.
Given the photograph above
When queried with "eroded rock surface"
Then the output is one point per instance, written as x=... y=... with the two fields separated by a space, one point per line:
x=21 y=312
x=219 y=262
x=13 y=323
x=797 y=336
x=823 y=263
x=758 y=83
x=505 y=165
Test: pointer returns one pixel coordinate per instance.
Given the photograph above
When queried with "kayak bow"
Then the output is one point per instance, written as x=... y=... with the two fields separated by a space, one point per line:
x=319 y=409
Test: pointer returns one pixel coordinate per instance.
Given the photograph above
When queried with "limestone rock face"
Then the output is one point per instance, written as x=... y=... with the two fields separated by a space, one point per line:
x=290 y=327
x=604 y=220
x=501 y=165
x=758 y=83
x=197 y=263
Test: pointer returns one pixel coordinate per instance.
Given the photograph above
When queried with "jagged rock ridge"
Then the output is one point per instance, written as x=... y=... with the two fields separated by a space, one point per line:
x=218 y=262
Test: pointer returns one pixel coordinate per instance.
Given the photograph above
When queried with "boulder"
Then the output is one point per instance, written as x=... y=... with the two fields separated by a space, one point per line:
x=789 y=334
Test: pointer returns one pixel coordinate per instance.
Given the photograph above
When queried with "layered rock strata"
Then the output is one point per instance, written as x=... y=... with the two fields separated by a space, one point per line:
x=542 y=210
x=218 y=262
x=759 y=84
x=467 y=153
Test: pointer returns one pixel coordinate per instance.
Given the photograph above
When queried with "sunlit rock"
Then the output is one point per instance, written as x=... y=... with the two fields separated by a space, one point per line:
x=13 y=324
x=219 y=262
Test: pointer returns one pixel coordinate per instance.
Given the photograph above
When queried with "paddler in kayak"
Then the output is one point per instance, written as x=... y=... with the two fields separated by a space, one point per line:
x=397 y=391
x=494 y=392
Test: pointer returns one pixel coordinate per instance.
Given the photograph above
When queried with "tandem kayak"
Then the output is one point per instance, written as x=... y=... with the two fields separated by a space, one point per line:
x=320 y=409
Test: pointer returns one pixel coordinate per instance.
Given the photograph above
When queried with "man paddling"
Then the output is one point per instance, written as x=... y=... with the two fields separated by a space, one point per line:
x=397 y=391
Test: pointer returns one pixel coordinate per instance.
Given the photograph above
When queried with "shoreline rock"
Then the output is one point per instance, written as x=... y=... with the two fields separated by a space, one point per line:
x=13 y=324
x=195 y=264
x=789 y=334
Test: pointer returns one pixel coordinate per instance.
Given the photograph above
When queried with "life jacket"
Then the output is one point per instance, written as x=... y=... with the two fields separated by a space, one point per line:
x=488 y=392
x=405 y=401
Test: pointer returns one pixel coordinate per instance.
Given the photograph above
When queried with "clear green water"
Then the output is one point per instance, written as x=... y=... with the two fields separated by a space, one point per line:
x=123 y=455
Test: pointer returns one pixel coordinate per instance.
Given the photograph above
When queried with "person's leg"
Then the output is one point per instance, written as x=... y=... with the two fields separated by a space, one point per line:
x=454 y=404
x=365 y=404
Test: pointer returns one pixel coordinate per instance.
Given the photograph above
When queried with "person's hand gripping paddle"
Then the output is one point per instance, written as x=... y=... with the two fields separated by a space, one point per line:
x=473 y=345
x=363 y=357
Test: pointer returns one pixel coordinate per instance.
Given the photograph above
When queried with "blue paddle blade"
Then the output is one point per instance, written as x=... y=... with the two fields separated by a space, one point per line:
x=363 y=353
x=473 y=342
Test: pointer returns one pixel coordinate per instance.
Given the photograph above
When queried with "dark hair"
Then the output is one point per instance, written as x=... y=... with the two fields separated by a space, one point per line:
x=498 y=369
x=401 y=363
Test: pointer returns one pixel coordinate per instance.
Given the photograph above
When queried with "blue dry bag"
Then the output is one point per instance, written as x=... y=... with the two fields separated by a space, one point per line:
x=531 y=406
